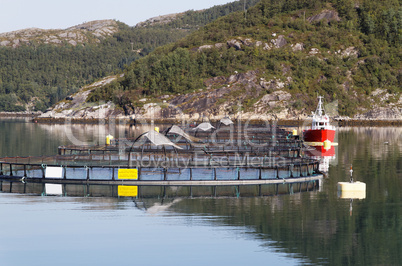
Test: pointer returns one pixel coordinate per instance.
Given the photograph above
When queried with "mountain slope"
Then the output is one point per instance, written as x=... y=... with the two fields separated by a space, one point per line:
x=41 y=67
x=348 y=51
x=89 y=32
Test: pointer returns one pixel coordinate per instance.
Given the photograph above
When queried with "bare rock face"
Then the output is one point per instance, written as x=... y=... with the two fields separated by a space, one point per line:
x=242 y=77
x=159 y=20
x=350 y=52
x=314 y=51
x=267 y=98
x=5 y=43
x=248 y=42
x=240 y=42
x=219 y=45
x=297 y=47
x=75 y=106
x=275 y=96
x=279 y=42
x=205 y=47
x=82 y=33
x=235 y=44
x=382 y=113
x=326 y=15
x=272 y=84
x=210 y=46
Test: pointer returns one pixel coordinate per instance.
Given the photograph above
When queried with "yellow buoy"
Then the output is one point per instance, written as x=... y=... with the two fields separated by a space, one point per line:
x=108 y=139
x=157 y=129
x=327 y=144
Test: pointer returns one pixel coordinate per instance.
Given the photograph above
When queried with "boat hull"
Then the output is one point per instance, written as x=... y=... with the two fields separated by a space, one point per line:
x=319 y=135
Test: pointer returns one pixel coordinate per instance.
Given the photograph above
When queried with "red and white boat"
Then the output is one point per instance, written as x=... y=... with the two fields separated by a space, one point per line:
x=321 y=129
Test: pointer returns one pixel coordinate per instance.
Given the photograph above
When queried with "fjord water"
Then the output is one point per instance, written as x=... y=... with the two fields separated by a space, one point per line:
x=308 y=228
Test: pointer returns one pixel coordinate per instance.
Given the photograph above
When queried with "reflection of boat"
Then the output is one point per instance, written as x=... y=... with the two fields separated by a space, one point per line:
x=324 y=154
x=320 y=151
x=321 y=129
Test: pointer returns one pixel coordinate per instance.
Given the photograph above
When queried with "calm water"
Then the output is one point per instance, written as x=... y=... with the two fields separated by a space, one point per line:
x=310 y=228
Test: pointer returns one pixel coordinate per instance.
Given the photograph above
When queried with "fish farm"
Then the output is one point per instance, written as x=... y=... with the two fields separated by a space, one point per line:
x=205 y=155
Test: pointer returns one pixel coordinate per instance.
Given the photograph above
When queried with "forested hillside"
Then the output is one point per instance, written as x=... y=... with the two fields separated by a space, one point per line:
x=40 y=71
x=346 y=50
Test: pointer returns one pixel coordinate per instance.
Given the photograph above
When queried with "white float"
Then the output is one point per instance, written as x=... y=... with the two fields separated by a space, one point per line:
x=352 y=189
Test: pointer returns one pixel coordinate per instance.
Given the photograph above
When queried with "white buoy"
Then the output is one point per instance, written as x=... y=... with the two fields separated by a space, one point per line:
x=355 y=190
x=352 y=189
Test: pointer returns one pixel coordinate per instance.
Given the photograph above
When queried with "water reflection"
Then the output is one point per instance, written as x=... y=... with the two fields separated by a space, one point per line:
x=377 y=141
x=159 y=192
x=22 y=137
x=312 y=227
x=325 y=155
x=107 y=231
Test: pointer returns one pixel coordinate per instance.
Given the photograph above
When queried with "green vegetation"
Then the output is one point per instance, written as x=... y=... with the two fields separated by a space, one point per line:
x=44 y=74
x=371 y=28
x=49 y=73
x=165 y=58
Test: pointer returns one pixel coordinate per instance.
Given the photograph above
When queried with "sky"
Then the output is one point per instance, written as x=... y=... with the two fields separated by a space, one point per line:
x=56 y=14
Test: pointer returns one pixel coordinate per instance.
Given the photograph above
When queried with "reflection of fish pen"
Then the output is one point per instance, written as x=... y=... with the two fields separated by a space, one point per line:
x=161 y=192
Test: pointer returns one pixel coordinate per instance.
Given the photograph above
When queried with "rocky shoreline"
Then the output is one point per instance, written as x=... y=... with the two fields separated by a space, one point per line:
x=287 y=122
x=119 y=118
x=20 y=114
x=37 y=117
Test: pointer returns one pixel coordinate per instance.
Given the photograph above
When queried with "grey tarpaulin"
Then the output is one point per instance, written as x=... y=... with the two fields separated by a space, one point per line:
x=226 y=121
x=178 y=131
x=157 y=139
x=205 y=126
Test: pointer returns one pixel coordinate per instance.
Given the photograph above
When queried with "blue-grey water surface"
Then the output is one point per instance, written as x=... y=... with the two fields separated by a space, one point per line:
x=308 y=228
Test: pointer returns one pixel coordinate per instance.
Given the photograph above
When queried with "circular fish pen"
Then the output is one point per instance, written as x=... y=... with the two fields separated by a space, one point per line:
x=174 y=158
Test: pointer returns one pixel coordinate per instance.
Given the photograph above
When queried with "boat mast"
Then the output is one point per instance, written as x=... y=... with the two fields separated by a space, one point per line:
x=320 y=109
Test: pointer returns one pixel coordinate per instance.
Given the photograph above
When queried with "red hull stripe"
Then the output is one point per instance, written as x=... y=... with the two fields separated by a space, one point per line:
x=319 y=135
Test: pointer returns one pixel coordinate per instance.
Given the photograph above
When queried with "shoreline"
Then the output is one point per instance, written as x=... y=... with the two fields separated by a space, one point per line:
x=281 y=122
x=33 y=116
x=17 y=115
